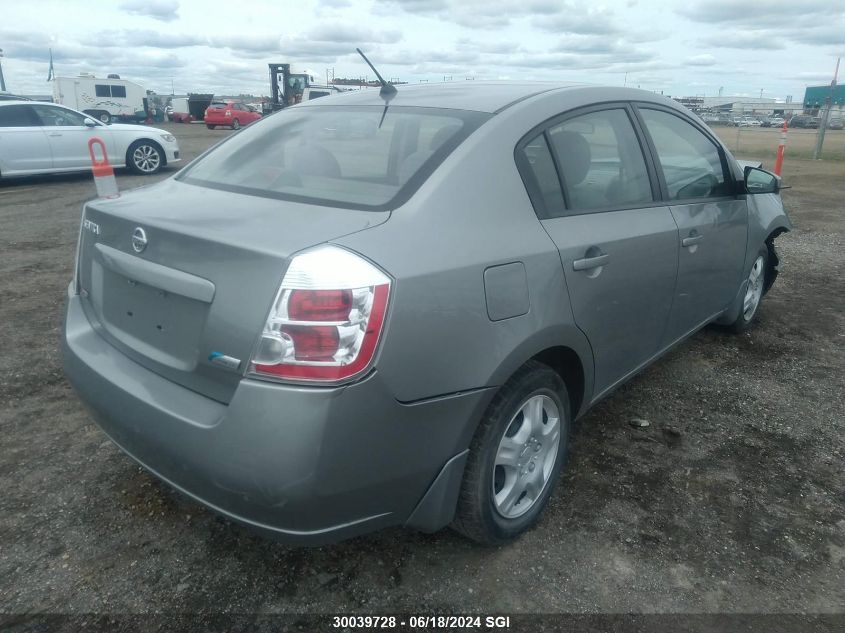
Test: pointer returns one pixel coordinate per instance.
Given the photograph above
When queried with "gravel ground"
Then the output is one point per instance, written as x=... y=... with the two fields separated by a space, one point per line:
x=730 y=501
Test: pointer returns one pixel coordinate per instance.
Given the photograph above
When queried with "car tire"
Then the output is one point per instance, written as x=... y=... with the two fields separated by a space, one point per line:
x=236 y=125
x=210 y=127
x=515 y=455
x=756 y=288
x=105 y=117
x=145 y=157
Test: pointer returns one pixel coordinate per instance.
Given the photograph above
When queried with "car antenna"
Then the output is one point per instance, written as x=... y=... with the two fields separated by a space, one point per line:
x=387 y=91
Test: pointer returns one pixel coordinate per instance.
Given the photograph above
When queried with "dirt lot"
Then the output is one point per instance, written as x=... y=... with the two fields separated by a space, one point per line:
x=730 y=501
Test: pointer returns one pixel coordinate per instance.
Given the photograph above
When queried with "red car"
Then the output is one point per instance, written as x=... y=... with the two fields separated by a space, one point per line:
x=232 y=114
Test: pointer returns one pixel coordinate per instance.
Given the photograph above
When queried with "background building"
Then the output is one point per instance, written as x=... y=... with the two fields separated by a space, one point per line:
x=814 y=100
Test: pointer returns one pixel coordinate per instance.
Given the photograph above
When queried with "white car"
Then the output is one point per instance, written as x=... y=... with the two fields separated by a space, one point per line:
x=40 y=138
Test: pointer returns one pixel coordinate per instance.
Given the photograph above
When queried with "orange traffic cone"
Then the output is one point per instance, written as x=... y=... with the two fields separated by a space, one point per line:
x=781 y=147
x=103 y=172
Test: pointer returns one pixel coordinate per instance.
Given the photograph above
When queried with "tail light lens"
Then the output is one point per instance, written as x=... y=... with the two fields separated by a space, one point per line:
x=326 y=320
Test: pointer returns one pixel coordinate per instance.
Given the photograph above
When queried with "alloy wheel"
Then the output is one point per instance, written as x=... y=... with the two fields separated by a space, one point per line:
x=526 y=456
x=146 y=158
x=754 y=291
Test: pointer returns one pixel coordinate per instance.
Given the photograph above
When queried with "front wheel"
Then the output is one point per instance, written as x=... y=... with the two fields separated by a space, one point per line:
x=144 y=157
x=210 y=127
x=754 y=290
x=515 y=457
x=236 y=125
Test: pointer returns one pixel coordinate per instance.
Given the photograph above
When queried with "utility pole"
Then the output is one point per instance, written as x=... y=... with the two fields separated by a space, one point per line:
x=817 y=153
x=2 y=81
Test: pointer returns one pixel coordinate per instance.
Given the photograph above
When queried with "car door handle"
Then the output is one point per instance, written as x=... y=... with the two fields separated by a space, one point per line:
x=590 y=262
x=692 y=240
x=55 y=134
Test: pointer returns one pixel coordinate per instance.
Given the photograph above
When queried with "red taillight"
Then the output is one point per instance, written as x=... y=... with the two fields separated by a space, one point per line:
x=319 y=305
x=310 y=342
x=327 y=318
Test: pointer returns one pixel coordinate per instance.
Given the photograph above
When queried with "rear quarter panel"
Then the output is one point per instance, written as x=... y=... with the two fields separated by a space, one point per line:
x=472 y=213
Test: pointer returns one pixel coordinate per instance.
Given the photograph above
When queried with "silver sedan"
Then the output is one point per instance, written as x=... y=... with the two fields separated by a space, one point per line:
x=359 y=312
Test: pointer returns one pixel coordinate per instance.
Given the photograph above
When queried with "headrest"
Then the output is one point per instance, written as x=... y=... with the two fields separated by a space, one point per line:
x=573 y=152
x=315 y=160
x=443 y=135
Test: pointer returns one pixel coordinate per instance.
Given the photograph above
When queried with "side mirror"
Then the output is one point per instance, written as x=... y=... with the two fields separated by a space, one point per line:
x=90 y=122
x=761 y=181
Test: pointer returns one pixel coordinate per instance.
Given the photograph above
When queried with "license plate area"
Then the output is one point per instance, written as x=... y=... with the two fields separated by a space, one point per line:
x=162 y=326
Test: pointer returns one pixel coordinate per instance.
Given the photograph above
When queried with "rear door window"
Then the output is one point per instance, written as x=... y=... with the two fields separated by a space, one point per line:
x=691 y=163
x=601 y=161
x=18 y=116
x=540 y=176
x=336 y=156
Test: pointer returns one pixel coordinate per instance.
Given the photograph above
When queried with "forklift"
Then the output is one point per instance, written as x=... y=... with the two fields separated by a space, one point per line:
x=286 y=89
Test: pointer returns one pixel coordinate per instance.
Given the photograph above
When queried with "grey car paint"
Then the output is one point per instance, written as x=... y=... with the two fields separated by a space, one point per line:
x=480 y=286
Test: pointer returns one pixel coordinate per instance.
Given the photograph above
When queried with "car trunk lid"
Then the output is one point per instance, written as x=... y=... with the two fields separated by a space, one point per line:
x=180 y=278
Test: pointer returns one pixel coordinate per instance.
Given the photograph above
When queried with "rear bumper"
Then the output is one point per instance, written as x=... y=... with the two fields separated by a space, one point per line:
x=303 y=465
x=218 y=120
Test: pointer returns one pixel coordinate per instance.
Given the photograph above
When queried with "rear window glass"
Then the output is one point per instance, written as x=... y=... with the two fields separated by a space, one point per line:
x=336 y=156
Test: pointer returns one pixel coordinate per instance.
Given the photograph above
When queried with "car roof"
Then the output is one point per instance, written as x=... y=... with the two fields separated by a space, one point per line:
x=28 y=102
x=482 y=96
x=485 y=96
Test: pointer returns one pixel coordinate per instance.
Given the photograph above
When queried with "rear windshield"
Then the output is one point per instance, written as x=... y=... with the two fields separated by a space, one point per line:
x=336 y=156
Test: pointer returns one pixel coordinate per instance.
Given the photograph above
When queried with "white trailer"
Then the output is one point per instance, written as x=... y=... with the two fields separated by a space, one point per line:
x=104 y=99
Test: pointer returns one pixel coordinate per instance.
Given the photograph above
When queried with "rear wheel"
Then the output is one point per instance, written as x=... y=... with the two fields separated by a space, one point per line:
x=236 y=125
x=515 y=457
x=210 y=127
x=105 y=117
x=145 y=157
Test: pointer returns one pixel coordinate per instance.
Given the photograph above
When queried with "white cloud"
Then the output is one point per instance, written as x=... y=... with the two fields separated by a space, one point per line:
x=164 y=10
x=701 y=60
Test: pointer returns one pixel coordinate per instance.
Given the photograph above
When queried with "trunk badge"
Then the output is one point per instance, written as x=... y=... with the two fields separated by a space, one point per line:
x=139 y=239
x=218 y=358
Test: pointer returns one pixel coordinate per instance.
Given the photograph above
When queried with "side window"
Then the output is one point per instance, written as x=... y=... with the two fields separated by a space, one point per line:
x=18 y=116
x=540 y=178
x=51 y=115
x=691 y=162
x=315 y=94
x=118 y=91
x=601 y=161
x=102 y=90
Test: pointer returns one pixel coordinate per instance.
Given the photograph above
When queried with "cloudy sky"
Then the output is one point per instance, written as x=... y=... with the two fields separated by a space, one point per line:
x=689 y=47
